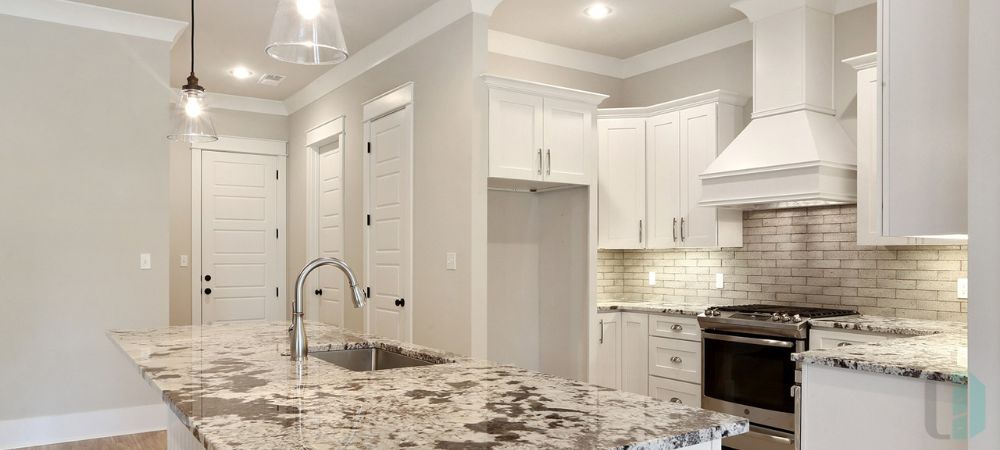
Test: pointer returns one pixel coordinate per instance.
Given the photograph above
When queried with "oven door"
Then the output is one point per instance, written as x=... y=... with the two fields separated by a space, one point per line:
x=750 y=376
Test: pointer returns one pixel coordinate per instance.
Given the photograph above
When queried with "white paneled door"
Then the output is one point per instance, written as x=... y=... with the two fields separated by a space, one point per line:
x=330 y=283
x=239 y=238
x=389 y=225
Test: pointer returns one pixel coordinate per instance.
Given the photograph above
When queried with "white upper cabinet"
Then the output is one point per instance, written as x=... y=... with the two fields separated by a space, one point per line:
x=541 y=134
x=923 y=50
x=658 y=207
x=622 y=189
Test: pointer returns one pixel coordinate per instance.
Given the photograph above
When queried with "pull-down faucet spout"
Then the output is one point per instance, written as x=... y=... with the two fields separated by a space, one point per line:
x=297 y=332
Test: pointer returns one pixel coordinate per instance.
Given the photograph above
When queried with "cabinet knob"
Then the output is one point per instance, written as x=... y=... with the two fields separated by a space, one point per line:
x=676 y=327
x=676 y=400
x=843 y=344
x=676 y=359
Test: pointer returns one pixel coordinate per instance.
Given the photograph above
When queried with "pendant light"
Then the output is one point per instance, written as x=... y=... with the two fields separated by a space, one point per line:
x=191 y=122
x=307 y=32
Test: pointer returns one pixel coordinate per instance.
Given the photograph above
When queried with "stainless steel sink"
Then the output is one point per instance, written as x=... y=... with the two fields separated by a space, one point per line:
x=368 y=359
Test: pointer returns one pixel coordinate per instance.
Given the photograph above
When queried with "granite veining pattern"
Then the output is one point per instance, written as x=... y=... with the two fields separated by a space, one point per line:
x=934 y=357
x=890 y=325
x=651 y=307
x=232 y=387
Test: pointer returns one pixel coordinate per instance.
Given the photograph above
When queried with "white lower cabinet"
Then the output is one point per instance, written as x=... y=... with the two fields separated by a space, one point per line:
x=650 y=354
x=675 y=391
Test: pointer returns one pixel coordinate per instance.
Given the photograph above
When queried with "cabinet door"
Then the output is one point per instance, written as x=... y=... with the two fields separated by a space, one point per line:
x=635 y=355
x=609 y=357
x=568 y=142
x=675 y=359
x=698 y=148
x=663 y=180
x=621 y=183
x=515 y=135
x=924 y=69
x=675 y=391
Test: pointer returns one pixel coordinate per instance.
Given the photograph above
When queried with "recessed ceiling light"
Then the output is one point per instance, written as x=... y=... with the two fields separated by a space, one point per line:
x=241 y=72
x=597 y=11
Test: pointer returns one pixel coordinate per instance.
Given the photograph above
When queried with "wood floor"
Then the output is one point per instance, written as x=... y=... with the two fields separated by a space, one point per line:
x=156 y=440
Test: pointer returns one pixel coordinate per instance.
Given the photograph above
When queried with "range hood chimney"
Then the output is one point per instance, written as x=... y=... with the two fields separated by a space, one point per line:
x=794 y=152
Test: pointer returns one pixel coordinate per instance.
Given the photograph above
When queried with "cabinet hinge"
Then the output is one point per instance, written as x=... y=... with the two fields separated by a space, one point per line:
x=369 y=147
x=368 y=219
x=275 y=174
x=276 y=233
x=368 y=292
x=276 y=292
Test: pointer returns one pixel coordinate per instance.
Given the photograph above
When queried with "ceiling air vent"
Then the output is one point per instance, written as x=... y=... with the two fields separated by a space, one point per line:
x=271 y=79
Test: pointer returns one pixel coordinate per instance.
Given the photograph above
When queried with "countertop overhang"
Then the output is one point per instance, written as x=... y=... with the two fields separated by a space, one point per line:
x=231 y=386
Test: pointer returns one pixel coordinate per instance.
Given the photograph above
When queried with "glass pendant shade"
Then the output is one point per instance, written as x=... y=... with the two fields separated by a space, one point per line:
x=307 y=32
x=191 y=122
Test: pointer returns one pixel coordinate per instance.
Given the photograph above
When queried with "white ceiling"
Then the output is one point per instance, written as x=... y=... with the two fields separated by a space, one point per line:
x=234 y=32
x=634 y=27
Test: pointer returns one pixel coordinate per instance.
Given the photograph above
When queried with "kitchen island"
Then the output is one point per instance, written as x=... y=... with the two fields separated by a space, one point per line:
x=229 y=386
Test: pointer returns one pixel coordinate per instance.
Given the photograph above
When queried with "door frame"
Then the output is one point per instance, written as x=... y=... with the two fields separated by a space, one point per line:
x=235 y=144
x=396 y=99
x=317 y=137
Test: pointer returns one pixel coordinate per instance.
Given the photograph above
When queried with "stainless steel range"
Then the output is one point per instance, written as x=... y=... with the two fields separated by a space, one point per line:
x=748 y=371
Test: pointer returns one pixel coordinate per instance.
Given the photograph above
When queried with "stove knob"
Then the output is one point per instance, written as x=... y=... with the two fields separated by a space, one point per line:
x=708 y=312
x=775 y=317
x=716 y=313
x=786 y=318
x=796 y=318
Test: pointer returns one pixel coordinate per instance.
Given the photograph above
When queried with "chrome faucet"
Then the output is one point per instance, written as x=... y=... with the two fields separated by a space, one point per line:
x=297 y=332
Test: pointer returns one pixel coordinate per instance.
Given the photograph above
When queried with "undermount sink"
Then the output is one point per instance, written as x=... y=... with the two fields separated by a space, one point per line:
x=368 y=359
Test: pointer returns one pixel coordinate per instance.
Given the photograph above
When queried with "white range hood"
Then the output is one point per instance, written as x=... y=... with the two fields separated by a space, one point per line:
x=794 y=152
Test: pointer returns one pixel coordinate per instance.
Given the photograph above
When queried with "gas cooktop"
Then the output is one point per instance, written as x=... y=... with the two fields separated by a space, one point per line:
x=780 y=320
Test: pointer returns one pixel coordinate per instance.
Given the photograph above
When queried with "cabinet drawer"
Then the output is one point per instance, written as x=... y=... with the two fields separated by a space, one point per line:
x=675 y=391
x=674 y=327
x=822 y=339
x=675 y=359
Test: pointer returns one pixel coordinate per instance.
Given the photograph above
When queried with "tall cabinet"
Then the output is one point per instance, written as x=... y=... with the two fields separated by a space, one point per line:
x=650 y=160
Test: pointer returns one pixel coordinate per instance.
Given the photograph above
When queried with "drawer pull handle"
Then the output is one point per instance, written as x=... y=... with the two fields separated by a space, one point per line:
x=843 y=344
x=676 y=359
x=676 y=400
x=676 y=327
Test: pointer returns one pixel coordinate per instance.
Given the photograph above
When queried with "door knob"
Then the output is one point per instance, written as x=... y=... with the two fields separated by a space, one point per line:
x=400 y=302
x=208 y=291
x=208 y=278
x=318 y=292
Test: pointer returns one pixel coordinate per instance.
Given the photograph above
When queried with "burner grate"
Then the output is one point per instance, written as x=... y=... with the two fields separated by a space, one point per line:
x=807 y=312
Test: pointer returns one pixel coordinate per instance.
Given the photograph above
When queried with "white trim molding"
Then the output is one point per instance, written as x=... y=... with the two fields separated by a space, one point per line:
x=84 y=15
x=698 y=45
x=316 y=138
x=716 y=96
x=236 y=144
x=546 y=90
x=395 y=99
x=861 y=62
x=215 y=100
x=71 y=427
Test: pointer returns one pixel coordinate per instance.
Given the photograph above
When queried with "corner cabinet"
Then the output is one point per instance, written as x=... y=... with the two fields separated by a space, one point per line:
x=923 y=117
x=541 y=134
x=649 y=162
x=870 y=230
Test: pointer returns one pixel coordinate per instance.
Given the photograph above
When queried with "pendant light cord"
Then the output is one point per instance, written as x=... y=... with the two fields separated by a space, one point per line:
x=192 y=37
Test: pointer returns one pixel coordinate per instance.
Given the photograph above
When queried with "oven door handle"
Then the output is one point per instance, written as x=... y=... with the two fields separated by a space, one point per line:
x=747 y=340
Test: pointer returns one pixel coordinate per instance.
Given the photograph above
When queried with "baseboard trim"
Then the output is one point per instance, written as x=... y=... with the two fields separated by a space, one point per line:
x=46 y=430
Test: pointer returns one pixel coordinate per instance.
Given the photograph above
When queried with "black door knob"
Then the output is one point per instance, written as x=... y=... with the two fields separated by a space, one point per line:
x=208 y=291
x=318 y=292
x=400 y=302
x=208 y=278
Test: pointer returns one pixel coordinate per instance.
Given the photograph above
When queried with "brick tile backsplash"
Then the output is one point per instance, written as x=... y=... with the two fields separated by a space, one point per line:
x=806 y=256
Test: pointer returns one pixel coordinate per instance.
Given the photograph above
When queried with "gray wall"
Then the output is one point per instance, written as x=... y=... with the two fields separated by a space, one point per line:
x=446 y=119
x=524 y=69
x=83 y=167
x=227 y=123
x=730 y=69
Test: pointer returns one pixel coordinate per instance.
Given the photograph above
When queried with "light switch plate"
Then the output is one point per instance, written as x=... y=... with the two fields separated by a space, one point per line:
x=652 y=278
x=963 y=288
x=145 y=261
x=184 y=260
x=720 y=281
x=452 y=261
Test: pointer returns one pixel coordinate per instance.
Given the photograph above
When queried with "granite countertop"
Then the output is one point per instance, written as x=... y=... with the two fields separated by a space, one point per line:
x=927 y=349
x=232 y=387
x=651 y=307
x=890 y=325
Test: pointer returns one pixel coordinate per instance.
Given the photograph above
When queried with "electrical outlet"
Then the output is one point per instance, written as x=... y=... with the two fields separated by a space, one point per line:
x=720 y=281
x=963 y=288
x=145 y=261
x=451 y=262
x=184 y=260
x=652 y=278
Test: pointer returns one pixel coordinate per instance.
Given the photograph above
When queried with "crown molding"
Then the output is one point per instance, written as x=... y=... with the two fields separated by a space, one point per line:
x=95 y=18
x=215 y=100
x=716 y=96
x=842 y=6
x=422 y=25
x=546 y=90
x=861 y=62
x=530 y=49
